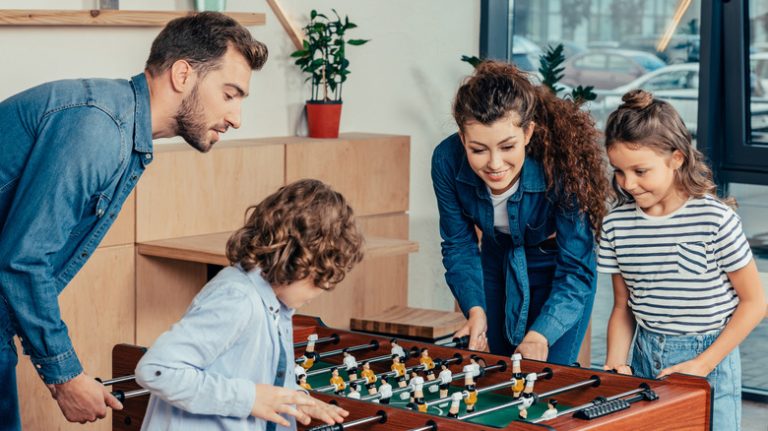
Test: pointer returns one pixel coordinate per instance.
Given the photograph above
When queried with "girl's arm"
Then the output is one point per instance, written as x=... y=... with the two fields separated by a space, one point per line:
x=621 y=328
x=748 y=314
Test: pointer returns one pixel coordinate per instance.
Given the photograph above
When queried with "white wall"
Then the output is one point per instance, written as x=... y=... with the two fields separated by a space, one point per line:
x=402 y=82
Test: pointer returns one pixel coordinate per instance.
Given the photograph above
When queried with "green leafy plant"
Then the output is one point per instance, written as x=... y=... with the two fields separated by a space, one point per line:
x=551 y=70
x=323 y=55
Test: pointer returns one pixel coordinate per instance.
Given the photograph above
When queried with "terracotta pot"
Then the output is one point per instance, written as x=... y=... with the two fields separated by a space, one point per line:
x=323 y=119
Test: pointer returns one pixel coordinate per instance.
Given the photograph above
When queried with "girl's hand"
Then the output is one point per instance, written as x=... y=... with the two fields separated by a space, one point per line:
x=619 y=368
x=476 y=326
x=694 y=367
x=325 y=412
x=534 y=346
x=272 y=401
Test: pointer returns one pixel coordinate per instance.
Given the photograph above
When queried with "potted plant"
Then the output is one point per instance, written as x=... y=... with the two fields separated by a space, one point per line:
x=323 y=57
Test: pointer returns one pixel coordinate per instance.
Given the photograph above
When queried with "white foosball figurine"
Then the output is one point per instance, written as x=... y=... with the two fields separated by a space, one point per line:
x=551 y=411
x=445 y=377
x=299 y=371
x=397 y=349
x=527 y=396
x=453 y=411
x=350 y=363
x=385 y=390
x=354 y=391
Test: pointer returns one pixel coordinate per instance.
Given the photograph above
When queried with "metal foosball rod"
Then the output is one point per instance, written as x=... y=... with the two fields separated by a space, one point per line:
x=333 y=338
x=380 y=417
x=430 y=426
x=116 y=380
x=456 y=342
x=593 y=381
x=124 y=395
x=642 y=389
x=373 y=345
x=501 y=365
x=328 y=369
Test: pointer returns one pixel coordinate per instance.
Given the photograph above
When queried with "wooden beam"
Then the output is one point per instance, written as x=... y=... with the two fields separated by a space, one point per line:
x=296 y=36
x=109 y=18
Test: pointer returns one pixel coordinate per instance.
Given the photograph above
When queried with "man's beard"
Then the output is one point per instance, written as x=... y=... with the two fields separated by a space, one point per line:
x=190 y=124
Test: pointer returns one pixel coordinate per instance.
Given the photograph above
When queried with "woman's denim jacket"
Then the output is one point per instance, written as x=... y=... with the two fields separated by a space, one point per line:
x=70 y=153
x=534 y=216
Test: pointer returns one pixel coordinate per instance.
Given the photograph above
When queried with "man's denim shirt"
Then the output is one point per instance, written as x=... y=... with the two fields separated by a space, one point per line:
x=534 y=215
x=70 y=153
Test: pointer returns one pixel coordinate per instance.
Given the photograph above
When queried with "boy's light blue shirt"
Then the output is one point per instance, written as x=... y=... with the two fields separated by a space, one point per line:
x=203 y=371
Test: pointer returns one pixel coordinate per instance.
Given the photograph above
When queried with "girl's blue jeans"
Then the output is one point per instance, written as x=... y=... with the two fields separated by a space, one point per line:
x=653 y=352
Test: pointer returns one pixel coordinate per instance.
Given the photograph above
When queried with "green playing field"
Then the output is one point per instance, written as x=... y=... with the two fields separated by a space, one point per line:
x=500 y=418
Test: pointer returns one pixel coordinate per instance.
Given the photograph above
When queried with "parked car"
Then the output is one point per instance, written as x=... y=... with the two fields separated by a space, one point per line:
x=677 y=84
x=607 y=69
x=681 y=48
x=525 y=53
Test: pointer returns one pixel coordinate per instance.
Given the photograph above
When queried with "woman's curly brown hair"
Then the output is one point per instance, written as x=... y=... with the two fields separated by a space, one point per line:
x=305 y=229
x=564 y=138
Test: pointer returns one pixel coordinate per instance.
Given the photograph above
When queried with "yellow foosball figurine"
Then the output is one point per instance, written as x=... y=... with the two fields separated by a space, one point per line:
x=338 y=383
x=428 y=364
x=370 y=378
x=309 y=356
x=517 y=376
x=303 y=382
x=399 y=369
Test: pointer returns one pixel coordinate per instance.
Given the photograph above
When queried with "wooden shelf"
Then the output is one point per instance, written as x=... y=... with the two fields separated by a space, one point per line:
x=210 y=248
x=108 y=17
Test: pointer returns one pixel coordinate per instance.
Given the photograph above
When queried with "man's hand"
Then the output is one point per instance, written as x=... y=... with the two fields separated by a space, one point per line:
x=534 y=346
x=476 y=326
x=272 y=401
x=83 y=399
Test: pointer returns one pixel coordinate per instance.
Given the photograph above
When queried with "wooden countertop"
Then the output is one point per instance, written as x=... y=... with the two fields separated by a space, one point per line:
x=210 y=248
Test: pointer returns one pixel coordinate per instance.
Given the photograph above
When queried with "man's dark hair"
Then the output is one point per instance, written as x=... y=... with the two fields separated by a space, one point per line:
x=202 y=40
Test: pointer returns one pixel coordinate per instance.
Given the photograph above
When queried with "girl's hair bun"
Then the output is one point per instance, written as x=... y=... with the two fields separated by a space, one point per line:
x=636 y=99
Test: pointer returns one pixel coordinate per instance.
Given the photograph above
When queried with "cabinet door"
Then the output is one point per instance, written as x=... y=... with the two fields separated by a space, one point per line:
x=98 y=307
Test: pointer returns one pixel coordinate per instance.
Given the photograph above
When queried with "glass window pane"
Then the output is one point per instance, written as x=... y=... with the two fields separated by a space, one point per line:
x=758 y=71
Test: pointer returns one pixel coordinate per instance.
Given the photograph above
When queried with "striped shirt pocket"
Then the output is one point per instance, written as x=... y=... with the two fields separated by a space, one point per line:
x=692 y=258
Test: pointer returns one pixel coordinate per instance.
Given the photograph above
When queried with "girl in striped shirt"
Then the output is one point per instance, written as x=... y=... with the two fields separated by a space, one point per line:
x=684 y=281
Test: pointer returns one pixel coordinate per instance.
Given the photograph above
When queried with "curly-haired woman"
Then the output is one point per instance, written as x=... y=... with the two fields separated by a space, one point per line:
x=526 y=175
x=228 y=363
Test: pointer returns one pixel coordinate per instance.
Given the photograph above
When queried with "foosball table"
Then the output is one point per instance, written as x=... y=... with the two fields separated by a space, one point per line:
x=389 y=384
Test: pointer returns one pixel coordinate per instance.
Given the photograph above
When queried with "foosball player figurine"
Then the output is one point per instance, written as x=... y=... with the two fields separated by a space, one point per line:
x=446 y=377
x=370 y=378
x=469 y=385
x=453 y=411
x=397 y=350
x=428 y=364
x=527 y=396
x=354 y=391
x=337 y=382
x=551 y=411
x=385 y=390
x=476 y=370
x=299 y=371
x=309 y=354
x=351 y=364
x=418 y=393
x=302 y=381
x=410 y=394
x=517 y=376
x=399 y=369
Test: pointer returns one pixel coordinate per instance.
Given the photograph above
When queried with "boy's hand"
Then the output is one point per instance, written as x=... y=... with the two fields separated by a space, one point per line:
x=619 y=368
x=694 y=367
x=272 y=401
x=325 y=412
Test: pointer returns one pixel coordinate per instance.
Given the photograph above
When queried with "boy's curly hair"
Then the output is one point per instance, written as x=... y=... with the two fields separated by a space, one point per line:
x=305 y=229
x=564 y=138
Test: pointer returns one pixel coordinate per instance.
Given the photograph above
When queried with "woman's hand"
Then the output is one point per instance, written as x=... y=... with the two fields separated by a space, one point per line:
x=534 y=346
x=476 y=326
x=272 y=401
x=694 y=367
x=324 y=412
x=619 y=368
